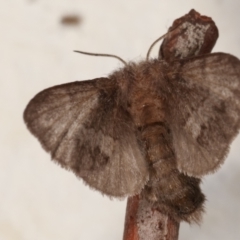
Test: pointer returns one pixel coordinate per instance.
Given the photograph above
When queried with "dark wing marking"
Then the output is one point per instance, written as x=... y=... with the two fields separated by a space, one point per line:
x=205 y=116
x=87 y=130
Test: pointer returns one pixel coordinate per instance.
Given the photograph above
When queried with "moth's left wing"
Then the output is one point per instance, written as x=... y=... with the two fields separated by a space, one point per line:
x=86 y=128
x=205 y=113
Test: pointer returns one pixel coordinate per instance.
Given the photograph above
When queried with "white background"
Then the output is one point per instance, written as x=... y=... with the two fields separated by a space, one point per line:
x=38 y=199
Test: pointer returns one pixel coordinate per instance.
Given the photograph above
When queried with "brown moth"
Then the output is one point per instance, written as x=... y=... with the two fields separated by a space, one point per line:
x=154 y=127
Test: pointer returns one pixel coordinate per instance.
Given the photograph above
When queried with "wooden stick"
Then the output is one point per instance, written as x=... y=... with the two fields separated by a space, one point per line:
x=143 y=221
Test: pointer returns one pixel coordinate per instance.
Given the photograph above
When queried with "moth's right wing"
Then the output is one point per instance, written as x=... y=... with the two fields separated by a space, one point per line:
x=205 y=112
x=87 y=130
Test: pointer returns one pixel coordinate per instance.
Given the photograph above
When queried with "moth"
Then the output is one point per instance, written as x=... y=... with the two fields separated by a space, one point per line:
x=152 y=128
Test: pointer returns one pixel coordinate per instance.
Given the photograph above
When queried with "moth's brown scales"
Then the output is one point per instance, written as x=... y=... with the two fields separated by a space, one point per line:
x=178 y=194
x=152 y=127
x=157 y=140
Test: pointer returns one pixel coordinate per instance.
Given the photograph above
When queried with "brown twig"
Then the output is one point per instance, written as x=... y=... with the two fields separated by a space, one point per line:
x=143 y=221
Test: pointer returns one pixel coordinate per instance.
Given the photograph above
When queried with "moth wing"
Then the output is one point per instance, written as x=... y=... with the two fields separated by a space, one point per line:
x=208 y=112
x=87 y=130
